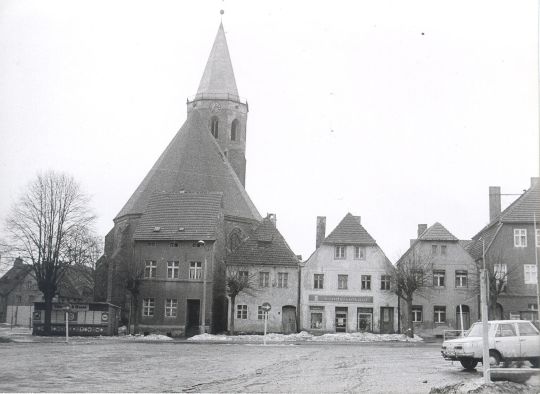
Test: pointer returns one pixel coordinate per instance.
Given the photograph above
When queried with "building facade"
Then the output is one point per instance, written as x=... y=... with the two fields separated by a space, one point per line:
x=448 y=296
x=508 y=243
x=266 y=258
x=346 y=282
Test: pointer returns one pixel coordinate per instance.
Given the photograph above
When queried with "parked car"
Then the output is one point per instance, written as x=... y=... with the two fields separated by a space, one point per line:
x=509 y=340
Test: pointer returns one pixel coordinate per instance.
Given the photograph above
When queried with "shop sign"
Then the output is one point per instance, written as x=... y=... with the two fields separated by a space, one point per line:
x=339 y=298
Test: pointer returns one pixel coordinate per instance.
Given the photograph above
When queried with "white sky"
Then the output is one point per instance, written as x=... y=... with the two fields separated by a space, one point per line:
x=352 y=108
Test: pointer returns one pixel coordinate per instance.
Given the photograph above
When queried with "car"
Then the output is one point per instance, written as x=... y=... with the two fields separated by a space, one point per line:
x=509 y=340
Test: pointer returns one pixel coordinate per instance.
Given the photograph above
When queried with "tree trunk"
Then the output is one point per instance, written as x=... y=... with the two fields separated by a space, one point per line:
x=48 y=297
x=410 y=324
x=135 y=313
x=231 y=323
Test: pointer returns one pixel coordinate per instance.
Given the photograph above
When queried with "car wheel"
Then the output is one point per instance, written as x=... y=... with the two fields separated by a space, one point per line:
x=468 y=363
x=535 y=362
x=494 y=358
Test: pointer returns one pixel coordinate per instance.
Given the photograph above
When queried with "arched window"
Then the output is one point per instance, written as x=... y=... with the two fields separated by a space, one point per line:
x=214 y=124
x=234 y=129
x=235 y=239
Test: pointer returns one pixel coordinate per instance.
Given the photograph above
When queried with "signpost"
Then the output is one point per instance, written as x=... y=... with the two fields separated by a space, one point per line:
x=66 y=308
x=266 y=308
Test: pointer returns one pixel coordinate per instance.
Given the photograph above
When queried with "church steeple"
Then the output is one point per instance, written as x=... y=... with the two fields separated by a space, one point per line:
x=223 y=110
x=218 y=76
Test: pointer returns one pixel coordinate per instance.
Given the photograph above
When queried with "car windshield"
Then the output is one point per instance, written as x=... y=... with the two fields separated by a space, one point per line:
x=476 y=330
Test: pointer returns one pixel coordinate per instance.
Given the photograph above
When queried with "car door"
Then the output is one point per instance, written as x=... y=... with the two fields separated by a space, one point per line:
x=507 y=341
x=529 y=340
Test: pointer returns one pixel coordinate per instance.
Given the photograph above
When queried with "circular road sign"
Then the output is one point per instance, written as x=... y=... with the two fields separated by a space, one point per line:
x=266 y=306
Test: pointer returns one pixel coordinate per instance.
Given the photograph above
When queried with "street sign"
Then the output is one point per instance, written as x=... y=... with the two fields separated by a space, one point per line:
x=266 y=307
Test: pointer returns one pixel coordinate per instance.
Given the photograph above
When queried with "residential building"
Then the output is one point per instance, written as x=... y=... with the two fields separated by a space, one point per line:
x=346 y=282
x=266 y=258
x=447 y=298
x=508 y=243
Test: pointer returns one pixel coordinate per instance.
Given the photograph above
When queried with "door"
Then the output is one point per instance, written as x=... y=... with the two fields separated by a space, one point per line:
x=193 y=317
x=341 y=319
x=529 y=340
x=506 y=340
x=288 y=319
x=365 y=320
x=387 y=320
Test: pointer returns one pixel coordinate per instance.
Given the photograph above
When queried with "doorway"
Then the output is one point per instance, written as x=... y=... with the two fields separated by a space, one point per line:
x=365 y=320
x=193 y=317
x=341 y=319
x=387 y=320
x=288 y=319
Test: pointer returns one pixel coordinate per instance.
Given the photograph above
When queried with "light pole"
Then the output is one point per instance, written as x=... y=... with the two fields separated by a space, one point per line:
x=203 y=318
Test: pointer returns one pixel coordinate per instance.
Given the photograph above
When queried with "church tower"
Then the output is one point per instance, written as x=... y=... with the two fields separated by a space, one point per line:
x=223 y=110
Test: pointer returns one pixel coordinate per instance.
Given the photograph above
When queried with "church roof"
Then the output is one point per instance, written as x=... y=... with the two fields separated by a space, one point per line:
x=180 y=216
x=218 y=77
x=437 y=232
x=349 y=231
x=266 y=246
x=193 y=162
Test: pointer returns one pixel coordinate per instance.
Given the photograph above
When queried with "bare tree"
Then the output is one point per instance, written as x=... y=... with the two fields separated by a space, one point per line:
x=238 y=281
x=410 y=277
x=132 y=277
x=44 y=226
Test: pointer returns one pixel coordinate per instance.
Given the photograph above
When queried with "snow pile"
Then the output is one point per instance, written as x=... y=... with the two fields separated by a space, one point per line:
x=477 y=386
x=151 y=337
x=307 y=337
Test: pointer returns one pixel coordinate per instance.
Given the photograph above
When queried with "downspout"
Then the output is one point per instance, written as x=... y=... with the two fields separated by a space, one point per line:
x=299 y=312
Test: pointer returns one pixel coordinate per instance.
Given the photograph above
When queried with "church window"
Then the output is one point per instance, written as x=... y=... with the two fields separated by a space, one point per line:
x=234 y=130
x=235 y=239
x=214 y=126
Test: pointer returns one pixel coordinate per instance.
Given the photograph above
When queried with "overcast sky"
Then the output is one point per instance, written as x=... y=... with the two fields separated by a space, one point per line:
x=401 y=112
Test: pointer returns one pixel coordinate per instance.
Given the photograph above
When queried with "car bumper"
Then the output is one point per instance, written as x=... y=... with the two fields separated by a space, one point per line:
x=452 y=355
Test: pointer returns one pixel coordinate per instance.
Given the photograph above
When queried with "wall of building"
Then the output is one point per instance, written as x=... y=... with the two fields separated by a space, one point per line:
x=278 y=297
x=330 y=297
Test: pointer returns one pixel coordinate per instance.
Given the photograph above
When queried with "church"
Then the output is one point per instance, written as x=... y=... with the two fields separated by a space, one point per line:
x=165 y=258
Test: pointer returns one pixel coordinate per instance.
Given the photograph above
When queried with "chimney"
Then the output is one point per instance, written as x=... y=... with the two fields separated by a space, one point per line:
x=18 y=262
x=421 y=229
x=321 y=231
x=534 y=181
x=494 y=202
x=272 y=217
x=358 y=219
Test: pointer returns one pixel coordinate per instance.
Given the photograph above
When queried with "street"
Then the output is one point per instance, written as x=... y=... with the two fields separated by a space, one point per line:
x=112 y=365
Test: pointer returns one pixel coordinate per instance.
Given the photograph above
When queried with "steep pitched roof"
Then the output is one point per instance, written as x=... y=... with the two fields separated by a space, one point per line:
x=180 y=216
x=193 y=162
x=13 y=277
x=266 y=246
x=437 y=232
x=349 y=231
x=218 y=77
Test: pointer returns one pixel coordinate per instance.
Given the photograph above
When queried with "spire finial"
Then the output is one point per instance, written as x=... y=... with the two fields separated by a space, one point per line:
x=221 y=12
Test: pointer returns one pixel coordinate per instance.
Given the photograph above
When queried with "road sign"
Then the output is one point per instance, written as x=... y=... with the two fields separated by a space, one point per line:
x=266 y=307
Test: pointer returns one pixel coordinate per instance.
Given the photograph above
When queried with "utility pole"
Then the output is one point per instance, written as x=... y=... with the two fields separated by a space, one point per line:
x=536 y=239
x=485 y=324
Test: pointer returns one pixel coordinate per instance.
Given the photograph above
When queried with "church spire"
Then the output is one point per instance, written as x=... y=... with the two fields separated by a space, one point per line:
x=218 y=77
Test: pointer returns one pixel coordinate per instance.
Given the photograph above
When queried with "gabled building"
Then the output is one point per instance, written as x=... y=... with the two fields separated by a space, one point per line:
x=205 y=157
x=509 y=242
x=346 y=282
x=266 y=258
x=448 y=297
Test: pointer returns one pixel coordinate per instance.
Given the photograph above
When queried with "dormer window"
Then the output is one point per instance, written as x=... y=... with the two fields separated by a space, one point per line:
x=214 y=126
x=234 y=129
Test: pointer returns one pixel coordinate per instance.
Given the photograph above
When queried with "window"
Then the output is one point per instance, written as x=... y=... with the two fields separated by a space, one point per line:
x=461 y=279
x=173 y=268
x=500 y=275
x=170 y=307
x=340 y=252
x=443 y=250
x=283 y=278
x=18 y=299
x=195 y=270
x=243 y=276
x=241 y=311
x=173 y=244
x=418 y=277
x=526 y=330
x=148 y=307
x=260 y=313
x=385 y=282
x=152 y=243
x=434 y=249
x=150 y=268
x=234 y=128
x=438 y=278
x=520 y=237
x=532 y=307
x=318 y=281
x=366 y=282
x=342 y=281
x=538 y=238
x=439 y=314
x=316 y=317
x=506 y=330
x=264 y=279
x=530 y=274
x=417 y=313
x=359 y=253
x=214 y=126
